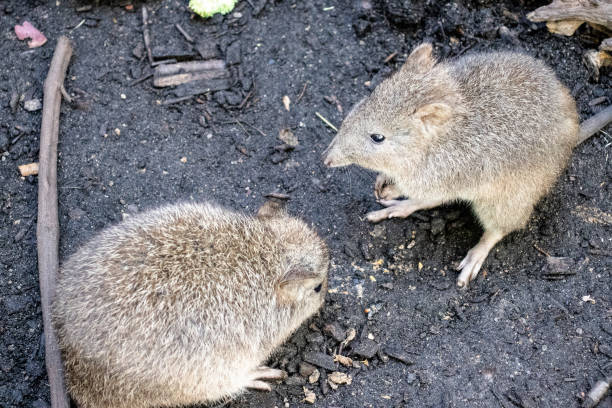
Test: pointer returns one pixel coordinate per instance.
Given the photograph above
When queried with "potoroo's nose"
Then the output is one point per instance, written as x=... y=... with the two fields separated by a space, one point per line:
x=327 y=157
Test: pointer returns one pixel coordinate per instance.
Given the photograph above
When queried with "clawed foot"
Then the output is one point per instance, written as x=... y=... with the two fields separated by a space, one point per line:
x=395 y=209
x=469 y=267
x=400 y=208
x=265 y=373
x=384 y=189
x=471 y=264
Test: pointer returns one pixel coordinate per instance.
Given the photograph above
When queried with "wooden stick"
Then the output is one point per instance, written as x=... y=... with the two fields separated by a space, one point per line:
x=47 y=229
x=595 y=11
x=327 y=122
x=145 y=34
x=184 y=33
x=594 y=124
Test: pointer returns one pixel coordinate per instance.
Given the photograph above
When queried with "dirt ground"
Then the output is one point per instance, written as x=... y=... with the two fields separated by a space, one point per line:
x=516 y=338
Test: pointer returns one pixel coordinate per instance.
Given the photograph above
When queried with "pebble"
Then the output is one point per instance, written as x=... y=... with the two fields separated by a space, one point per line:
x=320 y=360
x=398 y=354
x=315 y=338
x=232 y=54
x=366 y=349
x=365 y=251
x=32 y=105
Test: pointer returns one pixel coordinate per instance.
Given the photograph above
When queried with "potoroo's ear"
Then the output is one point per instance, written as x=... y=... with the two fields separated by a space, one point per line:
x=274 y=206
x=433 y=117
x=296 y=280
x=420 y=59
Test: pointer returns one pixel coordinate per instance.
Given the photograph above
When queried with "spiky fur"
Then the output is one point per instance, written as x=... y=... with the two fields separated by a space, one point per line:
x=178 y=305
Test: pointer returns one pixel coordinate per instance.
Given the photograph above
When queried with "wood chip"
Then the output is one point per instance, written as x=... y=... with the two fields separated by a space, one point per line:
x=30 y=169
x=184 y=72
x=286 y=102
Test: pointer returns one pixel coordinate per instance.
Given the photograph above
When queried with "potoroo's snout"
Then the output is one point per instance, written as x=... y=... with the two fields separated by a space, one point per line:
x=333 y=156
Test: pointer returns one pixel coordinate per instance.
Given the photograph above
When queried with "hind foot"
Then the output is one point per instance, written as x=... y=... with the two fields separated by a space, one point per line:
x=264 y=373
x=400 y=208
x=470 y=265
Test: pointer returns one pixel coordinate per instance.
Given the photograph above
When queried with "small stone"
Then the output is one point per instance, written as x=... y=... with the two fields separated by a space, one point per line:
x=19 y=236
x=232 y=54
x=315 y=338
x=335 y=331
x=411 y=378
x=366 y=348
x=306 y=369
x=32 y=105
x=4 y=142
x=378 y=231
x=365 y=251
x=321 y=360
x=350 y=248
x=398 y=354
x=387 y=285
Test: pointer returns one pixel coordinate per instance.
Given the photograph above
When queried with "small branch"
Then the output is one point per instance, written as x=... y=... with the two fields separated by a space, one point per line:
x=595 y=11
x=146 y=35
x=184 y=33
x=47 y=229
x=540 y=250
x=327 y=122
x=301 y=95
x=65 y=94
x=595 y=123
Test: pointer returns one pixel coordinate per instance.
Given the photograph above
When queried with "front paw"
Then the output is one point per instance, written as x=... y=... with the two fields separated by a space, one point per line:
x=385 y=189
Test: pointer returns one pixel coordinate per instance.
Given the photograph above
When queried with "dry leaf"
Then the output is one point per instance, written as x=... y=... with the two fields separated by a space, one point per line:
x=287 y=136
x=340 y=378
x=314 y=377
x=350 y=335
x=309 y=396
x=345 y=361
x=286 y=102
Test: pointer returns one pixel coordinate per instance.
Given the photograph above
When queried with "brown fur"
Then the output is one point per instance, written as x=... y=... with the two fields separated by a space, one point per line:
x=492 y=129
x=181 y=304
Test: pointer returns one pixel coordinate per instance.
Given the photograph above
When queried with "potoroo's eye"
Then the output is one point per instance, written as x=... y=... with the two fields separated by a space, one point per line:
x=318 y=288
x=377 y=137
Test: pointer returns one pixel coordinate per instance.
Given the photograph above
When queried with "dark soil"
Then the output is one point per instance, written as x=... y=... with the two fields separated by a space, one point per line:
x=515 y=338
